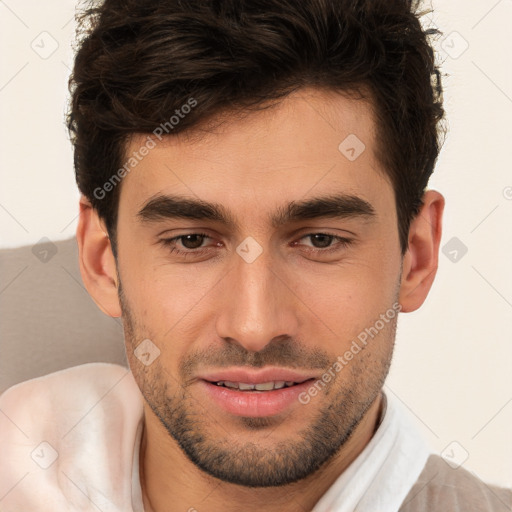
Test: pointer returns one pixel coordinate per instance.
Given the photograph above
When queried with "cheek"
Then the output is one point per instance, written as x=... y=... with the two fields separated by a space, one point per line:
x=348 y=299
x=160 y=289
x=170 y=302
x=350 y=296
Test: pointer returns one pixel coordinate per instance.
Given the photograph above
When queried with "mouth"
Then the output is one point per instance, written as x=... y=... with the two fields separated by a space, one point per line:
x=264 y=386
x=255 y=394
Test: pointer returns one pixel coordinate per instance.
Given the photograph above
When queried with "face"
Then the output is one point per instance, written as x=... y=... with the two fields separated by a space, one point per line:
x=258 y=289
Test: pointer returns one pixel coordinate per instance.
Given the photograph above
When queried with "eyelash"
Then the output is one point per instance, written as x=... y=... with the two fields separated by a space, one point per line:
x=170 y=243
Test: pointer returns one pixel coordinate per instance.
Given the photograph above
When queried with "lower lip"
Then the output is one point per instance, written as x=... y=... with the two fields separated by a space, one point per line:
x=255 y=404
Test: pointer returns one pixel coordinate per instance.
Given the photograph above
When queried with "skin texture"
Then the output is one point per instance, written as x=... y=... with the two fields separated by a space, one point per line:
x=294 y=306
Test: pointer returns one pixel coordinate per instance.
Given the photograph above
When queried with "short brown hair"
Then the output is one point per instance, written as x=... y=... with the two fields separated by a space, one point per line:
x=139 y=61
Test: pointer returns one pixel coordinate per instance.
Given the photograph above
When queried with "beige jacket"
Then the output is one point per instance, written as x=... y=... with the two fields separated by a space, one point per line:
x=441 y=488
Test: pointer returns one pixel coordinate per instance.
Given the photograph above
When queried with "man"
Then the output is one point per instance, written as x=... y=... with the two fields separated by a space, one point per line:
x=254 y=207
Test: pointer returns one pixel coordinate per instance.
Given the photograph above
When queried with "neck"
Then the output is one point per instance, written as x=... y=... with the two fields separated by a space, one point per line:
x=171 y=482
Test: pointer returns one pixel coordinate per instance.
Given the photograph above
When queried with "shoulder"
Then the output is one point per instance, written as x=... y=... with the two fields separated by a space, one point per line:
x=56 y=402
x=65 y=427
x=441 y=487
x=63 y=391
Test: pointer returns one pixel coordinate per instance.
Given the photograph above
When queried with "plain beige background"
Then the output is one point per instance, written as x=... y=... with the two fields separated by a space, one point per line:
x=453 y=359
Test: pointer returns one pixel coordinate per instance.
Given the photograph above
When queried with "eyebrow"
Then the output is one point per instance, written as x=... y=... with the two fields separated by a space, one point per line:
x=340 y=206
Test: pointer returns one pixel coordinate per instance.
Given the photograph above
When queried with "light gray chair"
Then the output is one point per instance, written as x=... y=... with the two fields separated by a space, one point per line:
x=48 y=321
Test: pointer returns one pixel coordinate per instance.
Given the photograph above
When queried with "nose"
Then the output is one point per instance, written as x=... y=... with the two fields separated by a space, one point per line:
x=257 y=304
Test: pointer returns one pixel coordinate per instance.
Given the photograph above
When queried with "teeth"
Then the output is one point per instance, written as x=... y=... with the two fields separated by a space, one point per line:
x=264 y=386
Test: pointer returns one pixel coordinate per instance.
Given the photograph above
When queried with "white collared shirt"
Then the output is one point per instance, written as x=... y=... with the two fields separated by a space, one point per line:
x=382 y=475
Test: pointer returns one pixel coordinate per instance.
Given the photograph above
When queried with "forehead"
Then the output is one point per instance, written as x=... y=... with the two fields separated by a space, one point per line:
x=313 y=142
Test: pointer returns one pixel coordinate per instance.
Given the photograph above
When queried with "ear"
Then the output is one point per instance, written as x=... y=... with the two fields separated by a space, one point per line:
x=421 y=258
x=97 y=262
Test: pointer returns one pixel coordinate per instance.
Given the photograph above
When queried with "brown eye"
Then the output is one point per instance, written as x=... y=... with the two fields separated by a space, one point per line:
x=192 y=241
x=190 y=244
x=321 y=240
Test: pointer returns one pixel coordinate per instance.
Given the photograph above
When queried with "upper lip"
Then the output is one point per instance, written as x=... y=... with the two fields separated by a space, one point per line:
x=256 y=376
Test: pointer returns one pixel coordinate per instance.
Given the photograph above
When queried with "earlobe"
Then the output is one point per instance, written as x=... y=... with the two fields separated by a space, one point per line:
x=97 y=262
x=422 y=256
